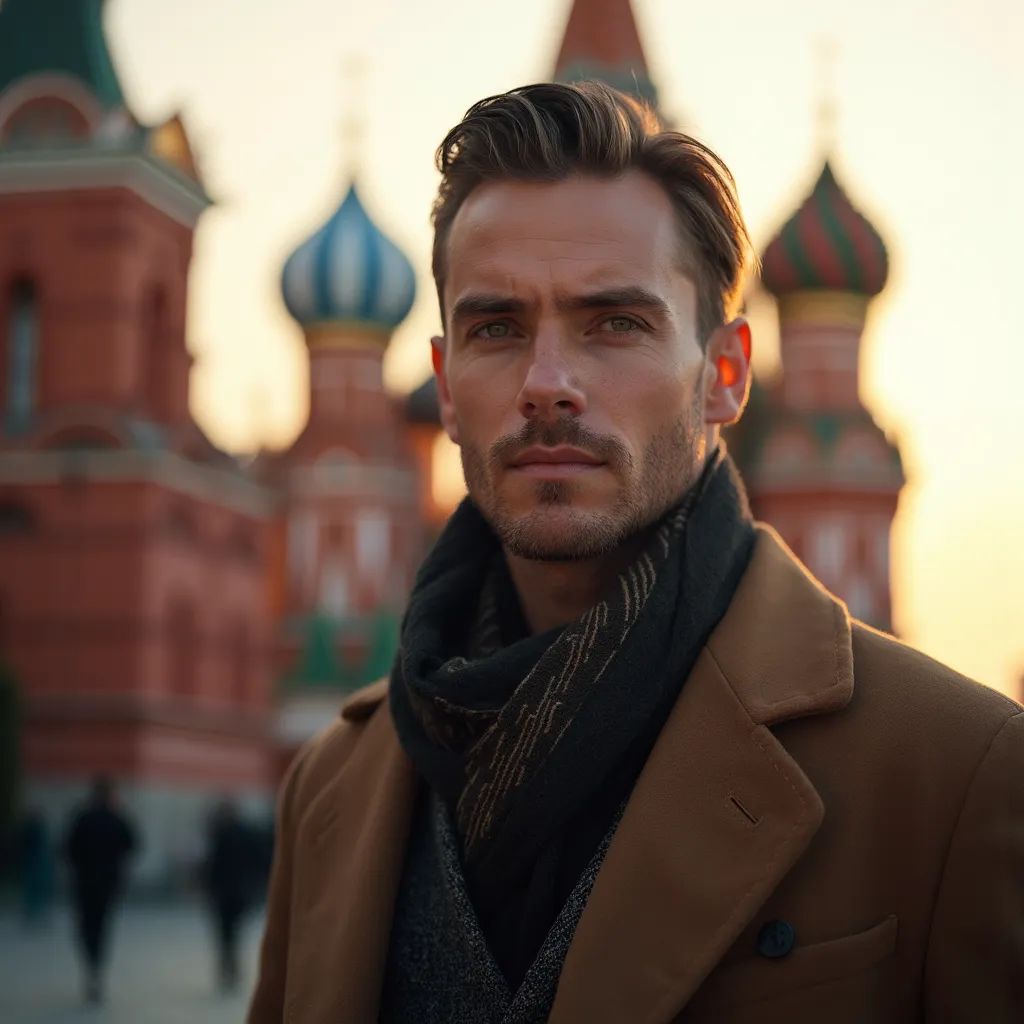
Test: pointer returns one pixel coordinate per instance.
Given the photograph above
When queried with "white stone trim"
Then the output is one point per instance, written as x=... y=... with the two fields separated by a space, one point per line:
x=58 y=170
x=332 y=478
x=207 y=483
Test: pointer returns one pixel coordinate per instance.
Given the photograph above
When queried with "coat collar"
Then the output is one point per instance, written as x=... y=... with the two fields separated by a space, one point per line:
x=717 y=818
x=783 y=645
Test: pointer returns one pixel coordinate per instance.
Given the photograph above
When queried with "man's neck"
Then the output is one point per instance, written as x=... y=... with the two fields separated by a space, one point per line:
x=552 y=594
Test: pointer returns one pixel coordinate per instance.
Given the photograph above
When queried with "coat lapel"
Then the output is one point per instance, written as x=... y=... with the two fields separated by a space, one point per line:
x=720 y=812
x=348 y=879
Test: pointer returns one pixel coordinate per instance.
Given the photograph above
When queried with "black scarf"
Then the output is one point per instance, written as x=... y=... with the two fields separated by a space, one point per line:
x=534 y=745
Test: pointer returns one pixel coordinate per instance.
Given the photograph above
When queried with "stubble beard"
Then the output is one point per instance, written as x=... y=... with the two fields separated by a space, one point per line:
x=556 y=531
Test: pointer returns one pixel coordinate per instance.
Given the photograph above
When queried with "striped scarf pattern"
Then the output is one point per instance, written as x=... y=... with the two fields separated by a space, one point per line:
x=518 y=739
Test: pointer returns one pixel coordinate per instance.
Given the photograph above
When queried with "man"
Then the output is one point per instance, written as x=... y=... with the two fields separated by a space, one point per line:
x=99 y=843
x=632 y=764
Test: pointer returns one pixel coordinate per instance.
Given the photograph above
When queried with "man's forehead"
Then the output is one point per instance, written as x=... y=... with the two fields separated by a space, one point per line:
x=604 y=212
x=580 y=234
x=588 y=274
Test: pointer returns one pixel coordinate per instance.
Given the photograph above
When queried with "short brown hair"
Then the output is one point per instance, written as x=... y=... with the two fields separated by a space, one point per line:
x=549 y=131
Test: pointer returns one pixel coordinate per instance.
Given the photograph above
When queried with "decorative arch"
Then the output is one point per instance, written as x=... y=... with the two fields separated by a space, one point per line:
x=46 y=120
x=49 y=93
x=81 y=437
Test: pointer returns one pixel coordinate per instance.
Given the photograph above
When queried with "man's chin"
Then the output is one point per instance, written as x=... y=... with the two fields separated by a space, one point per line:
x=561 y=534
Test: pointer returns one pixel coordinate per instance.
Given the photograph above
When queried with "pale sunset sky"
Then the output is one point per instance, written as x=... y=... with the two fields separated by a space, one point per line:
x=928 y=142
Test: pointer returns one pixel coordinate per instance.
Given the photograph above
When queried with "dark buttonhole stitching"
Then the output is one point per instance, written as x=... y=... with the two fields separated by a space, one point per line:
x=752 y=818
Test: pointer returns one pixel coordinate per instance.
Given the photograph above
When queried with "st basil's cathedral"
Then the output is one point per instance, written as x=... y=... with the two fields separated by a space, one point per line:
x=182 y=619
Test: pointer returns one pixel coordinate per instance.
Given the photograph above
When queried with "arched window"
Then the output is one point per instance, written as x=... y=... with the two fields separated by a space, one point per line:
x=16 y=520
x=152 y=348
x=22 y=356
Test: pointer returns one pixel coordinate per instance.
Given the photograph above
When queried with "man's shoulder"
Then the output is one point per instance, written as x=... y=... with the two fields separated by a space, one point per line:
x=363 y=703
x=910 y=684
x=321 y=757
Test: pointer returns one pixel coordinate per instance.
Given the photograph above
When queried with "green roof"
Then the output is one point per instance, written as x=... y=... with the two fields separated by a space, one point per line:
x=321 y=664
x=63 y=36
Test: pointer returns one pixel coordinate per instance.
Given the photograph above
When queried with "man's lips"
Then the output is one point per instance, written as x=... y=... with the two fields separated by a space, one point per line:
x=560 y=461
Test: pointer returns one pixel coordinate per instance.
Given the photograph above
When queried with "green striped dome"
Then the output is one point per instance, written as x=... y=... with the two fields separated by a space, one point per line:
x=826 y=245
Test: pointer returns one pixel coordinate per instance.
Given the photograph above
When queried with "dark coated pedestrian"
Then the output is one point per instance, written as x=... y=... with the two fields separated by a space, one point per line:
x=35 y=860
x=231 y=877
x=100 y=842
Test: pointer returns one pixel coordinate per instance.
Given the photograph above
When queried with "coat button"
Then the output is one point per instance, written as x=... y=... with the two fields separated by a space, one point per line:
x=775 y=939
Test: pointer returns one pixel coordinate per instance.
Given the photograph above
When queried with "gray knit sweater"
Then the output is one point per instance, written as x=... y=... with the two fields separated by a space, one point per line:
x=439 y=968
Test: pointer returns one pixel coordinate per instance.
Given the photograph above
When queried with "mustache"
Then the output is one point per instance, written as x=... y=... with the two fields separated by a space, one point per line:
x=570 y=432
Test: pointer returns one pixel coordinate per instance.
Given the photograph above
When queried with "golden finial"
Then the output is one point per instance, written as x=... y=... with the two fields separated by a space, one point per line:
x=353 y=123
x=827 y=53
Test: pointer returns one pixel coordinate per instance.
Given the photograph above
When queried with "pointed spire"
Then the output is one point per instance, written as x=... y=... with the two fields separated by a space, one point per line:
x=601 y=41
x=58 y=36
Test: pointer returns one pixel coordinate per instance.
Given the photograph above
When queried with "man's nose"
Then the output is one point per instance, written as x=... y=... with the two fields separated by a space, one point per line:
x=551 y=388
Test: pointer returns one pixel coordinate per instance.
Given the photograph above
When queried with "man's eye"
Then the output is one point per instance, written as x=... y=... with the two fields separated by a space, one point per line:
x=494 y=331
x=622 y=324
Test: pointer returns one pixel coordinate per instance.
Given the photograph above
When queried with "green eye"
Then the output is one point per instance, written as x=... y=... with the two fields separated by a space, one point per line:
x=622 y=324
x=497 y=330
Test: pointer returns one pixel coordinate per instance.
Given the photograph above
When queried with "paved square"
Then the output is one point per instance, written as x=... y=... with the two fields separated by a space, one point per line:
x=162 y=971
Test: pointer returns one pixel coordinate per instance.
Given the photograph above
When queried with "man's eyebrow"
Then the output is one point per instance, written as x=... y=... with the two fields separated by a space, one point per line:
x=486 y=304
x=630 y=295
x=493 y=304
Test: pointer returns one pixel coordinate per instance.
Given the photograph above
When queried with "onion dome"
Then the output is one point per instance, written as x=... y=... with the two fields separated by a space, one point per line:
x=349 y=273
x=826 y=245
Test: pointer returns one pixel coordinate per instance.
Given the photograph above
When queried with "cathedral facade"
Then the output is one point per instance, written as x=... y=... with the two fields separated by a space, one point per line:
x=181 y=619
x=174 y=618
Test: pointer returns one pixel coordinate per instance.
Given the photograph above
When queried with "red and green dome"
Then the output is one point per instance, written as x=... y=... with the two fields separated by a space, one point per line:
x=826 y=245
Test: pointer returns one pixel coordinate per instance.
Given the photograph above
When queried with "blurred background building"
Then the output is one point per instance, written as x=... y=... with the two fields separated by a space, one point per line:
x=182 y=619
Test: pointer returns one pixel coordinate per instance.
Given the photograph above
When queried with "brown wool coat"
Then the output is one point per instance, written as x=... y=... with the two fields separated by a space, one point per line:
x=812 y=771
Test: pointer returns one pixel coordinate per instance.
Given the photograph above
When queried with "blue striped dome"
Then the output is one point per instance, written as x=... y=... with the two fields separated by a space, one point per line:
x=349 y=272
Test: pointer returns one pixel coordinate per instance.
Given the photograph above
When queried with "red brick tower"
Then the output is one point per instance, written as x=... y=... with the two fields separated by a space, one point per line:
x=132 y=598
x=816 y=464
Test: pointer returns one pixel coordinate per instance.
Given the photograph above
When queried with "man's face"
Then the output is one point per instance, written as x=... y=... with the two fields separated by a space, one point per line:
x=572 y=375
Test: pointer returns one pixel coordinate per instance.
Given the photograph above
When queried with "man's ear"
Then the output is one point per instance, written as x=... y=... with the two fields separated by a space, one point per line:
x=727 y=382
x=444 y=397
